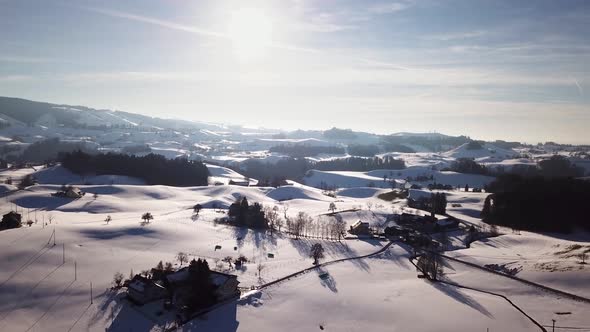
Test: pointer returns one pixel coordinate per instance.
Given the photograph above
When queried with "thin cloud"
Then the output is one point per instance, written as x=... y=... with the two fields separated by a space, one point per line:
x=158 y=22
x=25 y=59
x=388 y=8
x=580 y=89
x=457 y=36
x=186 y=28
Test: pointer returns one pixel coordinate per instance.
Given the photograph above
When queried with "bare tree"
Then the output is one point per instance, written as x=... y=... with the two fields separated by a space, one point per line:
x=316 y=252
x=228 y=260
x=340 y=229
x=280 y=222
x=108 y=219
x=260 y=267
x=430 y=265
x=118 y=279
x=369 y=205
x=182 y=257
x=271 y=215
x=299 y=223
x=285 y=209
x=197 y=208
x=583 y=257
x=332 y=207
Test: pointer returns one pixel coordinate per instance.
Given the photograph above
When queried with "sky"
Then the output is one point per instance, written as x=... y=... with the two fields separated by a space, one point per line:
x=497 y=69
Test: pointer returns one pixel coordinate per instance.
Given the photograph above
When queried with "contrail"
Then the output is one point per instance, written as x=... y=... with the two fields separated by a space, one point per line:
x=221 y=35
x=158 y=22
x=580 y=89
x=185 y=28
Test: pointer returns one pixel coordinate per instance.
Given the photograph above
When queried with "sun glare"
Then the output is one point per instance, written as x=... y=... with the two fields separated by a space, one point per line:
x=251 y=33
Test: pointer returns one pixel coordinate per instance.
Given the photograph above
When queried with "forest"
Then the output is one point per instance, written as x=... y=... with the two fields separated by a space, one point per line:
x=153 y=169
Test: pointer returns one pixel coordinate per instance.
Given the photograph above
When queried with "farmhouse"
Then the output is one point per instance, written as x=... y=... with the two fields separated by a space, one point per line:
x=142 y=290
x=11 y=220
x=226 y=285
x=360 y=228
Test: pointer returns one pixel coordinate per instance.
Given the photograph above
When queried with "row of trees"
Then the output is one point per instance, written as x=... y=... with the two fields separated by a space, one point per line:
x=50 y=149
x=251 y=216
x=556 y=166
x=369 y=150
x=303 y=225
x=436 y=203
x=360 y=164
x=154 y=169
x=538 y=203
x=298 y=151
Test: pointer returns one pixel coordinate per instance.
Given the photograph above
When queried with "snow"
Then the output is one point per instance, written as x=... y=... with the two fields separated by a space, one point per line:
x=291 y=192
x=349 y=179
x=61 y=175
x=377 y=294
x=487 y=150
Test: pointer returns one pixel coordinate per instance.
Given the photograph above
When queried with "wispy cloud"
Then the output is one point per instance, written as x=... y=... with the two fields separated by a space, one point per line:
x=457 y=36
x=579 y=86
x=389 y=7
x=14 y=78
x=186 y=28
x=25 y=59
x=158 y=22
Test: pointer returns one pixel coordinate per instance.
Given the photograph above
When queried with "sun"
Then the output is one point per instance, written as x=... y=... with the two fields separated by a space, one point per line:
x=250 y=31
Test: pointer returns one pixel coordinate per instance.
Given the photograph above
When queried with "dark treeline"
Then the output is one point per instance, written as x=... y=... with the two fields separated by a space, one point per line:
x=336 y=133
x=396 y=147
x=154 y=169
x=244 y=214
x=556 y=166
x=475 y=145
x=289 y=168
x=433 y=143
x=360 y=164
x=557 y=204
x=363 y=150
x=298 y=151
x=295 y=168
x=49 y=150
x=468 y=166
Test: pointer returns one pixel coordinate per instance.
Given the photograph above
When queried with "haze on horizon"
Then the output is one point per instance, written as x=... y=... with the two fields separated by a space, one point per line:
x=513 y=70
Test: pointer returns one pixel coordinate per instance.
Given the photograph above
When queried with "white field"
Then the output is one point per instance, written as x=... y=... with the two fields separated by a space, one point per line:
x=381 y=294
x=39 y=292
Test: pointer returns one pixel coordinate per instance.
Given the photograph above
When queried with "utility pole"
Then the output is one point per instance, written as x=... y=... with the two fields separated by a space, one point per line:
x=553 y=320
x=91 y=301
x=75 y=271
x=63 y=246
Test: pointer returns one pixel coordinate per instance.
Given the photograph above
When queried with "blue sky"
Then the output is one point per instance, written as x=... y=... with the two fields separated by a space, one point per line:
x=517 y=70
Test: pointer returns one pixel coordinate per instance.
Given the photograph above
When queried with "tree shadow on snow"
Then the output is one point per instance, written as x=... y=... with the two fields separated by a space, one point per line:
x=222 y=319
x=332 y=250
x=109 y=234
x=46 y=203
x=461 y=297
x=326 y=280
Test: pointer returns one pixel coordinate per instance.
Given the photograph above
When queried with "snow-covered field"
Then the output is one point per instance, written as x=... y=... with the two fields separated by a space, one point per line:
x=41 y=292
x=47 y=269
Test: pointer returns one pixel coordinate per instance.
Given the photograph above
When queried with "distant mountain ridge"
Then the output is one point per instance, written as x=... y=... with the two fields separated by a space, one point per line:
x=32 y=113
